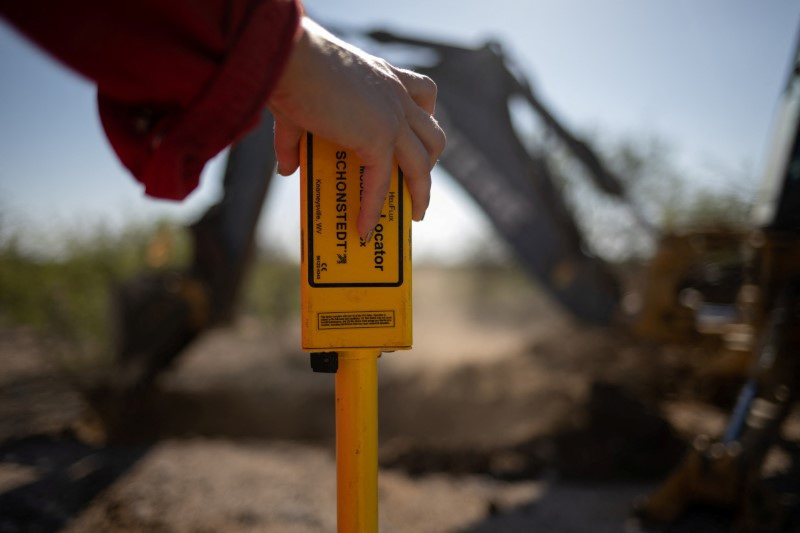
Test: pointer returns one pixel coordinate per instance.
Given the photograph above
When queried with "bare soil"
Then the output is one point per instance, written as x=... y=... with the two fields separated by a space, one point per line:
x=507 y=416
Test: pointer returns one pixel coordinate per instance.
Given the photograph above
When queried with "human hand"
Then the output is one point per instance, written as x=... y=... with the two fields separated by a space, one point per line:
x=361 y=102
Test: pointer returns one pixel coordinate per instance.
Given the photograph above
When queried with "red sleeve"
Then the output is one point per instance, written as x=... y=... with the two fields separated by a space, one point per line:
x=177 y=80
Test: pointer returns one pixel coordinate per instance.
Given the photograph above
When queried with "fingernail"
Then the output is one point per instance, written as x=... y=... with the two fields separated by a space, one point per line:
x=368 y=237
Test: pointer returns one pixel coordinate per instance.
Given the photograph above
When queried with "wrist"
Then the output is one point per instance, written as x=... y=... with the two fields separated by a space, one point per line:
x=293 y=68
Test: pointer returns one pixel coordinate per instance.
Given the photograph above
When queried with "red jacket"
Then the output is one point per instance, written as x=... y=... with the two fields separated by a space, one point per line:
x=177 y=80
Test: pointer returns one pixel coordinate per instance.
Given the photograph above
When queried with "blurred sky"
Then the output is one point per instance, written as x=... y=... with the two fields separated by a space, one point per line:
x=704 y=75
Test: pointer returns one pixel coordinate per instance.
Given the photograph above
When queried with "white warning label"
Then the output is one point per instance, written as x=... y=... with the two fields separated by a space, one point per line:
x=356 y=319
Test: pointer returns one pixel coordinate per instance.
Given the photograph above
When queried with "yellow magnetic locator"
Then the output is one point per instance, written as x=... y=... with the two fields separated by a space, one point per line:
x=356 y=303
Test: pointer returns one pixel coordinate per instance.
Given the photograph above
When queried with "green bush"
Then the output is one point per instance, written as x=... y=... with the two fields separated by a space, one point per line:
x=272 y=289
x=64 y=291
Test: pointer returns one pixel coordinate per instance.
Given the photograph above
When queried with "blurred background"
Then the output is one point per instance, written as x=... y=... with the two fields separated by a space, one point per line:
x=512 y=406
x=701 y=82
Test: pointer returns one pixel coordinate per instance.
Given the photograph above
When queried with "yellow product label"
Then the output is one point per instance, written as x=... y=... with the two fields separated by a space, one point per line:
x=355 y=293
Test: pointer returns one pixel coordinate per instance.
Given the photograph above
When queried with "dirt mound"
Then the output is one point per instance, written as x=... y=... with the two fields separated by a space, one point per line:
x=506 y=416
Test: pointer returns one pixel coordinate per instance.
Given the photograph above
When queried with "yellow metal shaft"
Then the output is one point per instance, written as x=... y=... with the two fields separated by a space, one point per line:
x=357 y=441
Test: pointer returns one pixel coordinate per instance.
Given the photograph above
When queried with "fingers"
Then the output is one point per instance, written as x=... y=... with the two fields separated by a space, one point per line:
x=430 y=134
x=414 y=159
x=416 y=148
x=287 y=145
x=420 y=145
x=420 y=88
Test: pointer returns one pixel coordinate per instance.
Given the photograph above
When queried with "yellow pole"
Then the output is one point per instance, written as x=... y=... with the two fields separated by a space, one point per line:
x=357 y=441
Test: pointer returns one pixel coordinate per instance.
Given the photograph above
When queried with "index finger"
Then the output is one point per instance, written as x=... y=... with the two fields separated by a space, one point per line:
x=377 y=180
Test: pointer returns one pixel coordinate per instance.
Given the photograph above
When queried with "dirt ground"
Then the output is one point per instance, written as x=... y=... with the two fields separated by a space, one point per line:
x=506 y=417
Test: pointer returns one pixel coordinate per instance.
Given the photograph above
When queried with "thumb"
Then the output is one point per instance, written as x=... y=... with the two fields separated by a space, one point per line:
x=287 y=145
